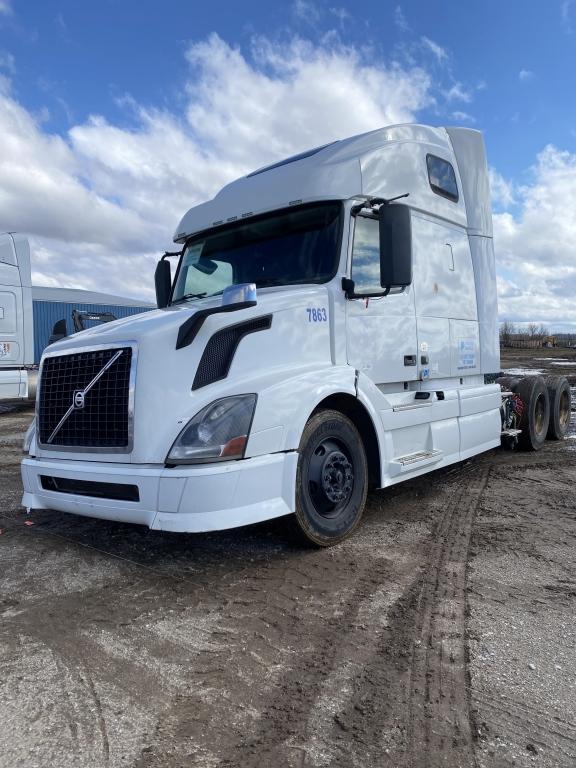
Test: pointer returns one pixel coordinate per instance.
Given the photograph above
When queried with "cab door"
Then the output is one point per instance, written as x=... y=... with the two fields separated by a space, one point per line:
x=381 y=337
x=445 y=298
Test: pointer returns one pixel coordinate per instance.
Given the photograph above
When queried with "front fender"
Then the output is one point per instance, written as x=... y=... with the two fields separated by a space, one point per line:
x=284 y=407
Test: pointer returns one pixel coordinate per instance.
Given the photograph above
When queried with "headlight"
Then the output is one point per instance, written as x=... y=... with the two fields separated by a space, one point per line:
x=29 y=436
x=218 y=432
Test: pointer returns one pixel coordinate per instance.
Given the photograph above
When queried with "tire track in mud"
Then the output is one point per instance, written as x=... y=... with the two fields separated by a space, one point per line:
x=385 y=681
x=439 y=727
x=525 y=709
x=300 y=646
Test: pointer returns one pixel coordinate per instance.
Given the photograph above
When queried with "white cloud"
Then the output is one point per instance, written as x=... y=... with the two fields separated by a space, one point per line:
x=400 y=19
x=101 y=201
x=7 y=62
x=6 y=7
x=525 y=75
x=501 y=190
x=341 y=14
x=307 y=11
x=534 y=248
x=439 y=52
x=463 y=117
x=566 y=14
x=457 y=92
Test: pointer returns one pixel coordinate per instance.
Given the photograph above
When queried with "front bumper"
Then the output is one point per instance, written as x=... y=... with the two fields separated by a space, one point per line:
x=206 y=497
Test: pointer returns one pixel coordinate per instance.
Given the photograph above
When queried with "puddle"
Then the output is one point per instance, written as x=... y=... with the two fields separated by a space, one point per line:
x=550 y=359
x=522 y=371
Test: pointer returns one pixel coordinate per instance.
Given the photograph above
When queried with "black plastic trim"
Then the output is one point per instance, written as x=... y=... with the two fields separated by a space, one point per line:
x=207 y=373
x=190 y=328
x=116 y=491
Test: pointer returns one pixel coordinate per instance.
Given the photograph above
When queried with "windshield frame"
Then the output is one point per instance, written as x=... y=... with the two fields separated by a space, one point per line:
x=259 y=217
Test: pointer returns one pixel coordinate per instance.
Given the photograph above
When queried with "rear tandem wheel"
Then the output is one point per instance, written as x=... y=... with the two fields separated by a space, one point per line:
x=536 y=414
x=560 y=406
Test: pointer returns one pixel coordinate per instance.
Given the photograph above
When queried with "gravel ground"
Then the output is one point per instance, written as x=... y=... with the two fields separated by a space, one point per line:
x=441 y=634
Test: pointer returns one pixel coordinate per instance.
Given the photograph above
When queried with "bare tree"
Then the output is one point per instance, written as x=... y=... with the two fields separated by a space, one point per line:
x=532 y=329
x=507 y=330
x=543 y=331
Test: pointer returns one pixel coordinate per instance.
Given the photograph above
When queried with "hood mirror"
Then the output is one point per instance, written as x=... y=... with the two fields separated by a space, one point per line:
x=240 y=294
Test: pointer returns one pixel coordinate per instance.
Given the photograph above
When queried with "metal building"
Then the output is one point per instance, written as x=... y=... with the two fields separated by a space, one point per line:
x=53 y=304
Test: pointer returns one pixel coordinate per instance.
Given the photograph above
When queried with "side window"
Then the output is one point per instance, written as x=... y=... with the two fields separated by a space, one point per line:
x=366 y=255
x=442 y=177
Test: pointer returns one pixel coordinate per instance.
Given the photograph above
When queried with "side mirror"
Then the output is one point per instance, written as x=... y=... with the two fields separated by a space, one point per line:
x=163 y=281
x=395 y=246
x=59 y=331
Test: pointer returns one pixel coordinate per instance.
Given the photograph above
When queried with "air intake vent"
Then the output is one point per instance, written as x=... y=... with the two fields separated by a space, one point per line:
x=220 y=350
x=83 y=400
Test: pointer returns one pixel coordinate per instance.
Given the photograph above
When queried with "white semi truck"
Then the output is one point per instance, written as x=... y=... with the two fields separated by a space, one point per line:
x=331 y=326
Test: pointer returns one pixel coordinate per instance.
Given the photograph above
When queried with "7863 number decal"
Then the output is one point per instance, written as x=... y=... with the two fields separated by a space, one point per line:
x=317 y=315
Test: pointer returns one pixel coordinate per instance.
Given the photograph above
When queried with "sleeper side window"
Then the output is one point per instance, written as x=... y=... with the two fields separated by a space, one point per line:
x=442 y=177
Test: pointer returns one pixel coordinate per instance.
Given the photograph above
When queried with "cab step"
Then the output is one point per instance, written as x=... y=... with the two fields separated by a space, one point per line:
x=412 y=461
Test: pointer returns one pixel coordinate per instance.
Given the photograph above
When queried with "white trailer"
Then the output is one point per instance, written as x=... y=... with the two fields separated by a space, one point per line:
x=331 y=326
x=16 y=324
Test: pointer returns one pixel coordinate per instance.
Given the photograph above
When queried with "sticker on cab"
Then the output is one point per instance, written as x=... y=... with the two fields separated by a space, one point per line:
x=317 y=314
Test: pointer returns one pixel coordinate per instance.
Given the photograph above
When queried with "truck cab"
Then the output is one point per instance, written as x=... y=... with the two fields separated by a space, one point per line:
x=328 y=328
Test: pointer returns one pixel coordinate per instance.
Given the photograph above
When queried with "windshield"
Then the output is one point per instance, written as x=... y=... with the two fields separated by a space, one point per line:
x=297 y=245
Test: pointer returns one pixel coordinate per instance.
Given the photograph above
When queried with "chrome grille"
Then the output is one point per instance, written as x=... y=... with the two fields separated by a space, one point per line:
x=75 y=411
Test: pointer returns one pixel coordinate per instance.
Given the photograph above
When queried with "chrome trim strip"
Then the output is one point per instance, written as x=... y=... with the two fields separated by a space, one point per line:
x=86 y=449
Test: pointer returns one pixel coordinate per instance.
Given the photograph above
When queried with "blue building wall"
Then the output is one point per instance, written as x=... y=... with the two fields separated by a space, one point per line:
x=46 y=313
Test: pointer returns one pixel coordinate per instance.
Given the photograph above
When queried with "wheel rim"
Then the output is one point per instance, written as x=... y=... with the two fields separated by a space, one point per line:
x=330 y=477
x=564 y=409
x=540 y=414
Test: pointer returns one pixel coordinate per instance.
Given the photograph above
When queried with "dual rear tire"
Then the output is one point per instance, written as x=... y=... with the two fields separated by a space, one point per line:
x=546 y=408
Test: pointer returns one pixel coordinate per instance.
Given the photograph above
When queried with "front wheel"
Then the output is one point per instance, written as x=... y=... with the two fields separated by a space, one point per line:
x=332 y=479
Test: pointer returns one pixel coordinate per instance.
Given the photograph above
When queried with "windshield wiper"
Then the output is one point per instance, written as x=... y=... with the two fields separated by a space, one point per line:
x=188 y=296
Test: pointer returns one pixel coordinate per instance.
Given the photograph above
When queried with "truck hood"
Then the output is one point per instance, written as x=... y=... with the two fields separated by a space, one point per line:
x=163 y=396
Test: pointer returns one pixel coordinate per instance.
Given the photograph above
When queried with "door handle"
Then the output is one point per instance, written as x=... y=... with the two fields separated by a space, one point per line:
x=452 y=257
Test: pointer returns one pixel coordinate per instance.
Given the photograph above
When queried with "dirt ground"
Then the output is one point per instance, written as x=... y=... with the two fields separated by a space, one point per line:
x=442 y=634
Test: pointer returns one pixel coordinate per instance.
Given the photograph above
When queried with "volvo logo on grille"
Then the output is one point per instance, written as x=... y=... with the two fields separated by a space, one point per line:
x=78 y=399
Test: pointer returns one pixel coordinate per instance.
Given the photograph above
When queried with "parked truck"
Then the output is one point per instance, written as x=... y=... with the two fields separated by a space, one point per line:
x=331 y=327
x=28 y=314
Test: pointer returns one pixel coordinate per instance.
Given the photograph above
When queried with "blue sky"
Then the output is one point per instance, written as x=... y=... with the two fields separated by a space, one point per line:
x=117 y=116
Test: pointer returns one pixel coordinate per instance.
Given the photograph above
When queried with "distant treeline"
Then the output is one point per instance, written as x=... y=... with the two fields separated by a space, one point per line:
x=533 y=335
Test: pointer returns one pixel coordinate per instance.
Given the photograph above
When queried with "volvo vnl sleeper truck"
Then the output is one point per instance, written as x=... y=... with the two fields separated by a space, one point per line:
x=328 y=328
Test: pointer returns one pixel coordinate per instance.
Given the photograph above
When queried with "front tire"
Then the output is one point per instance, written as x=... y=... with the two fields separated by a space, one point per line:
x=331 y=480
